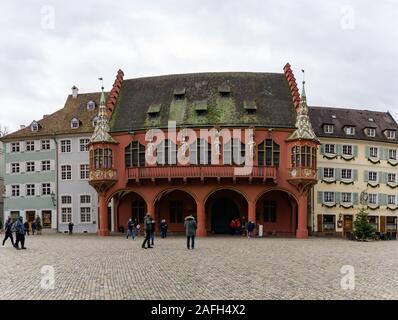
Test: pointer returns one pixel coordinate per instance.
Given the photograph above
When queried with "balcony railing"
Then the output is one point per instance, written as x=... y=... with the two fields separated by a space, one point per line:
x=211 y=171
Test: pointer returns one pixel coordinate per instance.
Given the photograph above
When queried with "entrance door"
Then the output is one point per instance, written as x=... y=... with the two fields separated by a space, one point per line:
x=222 y=212
x=347 y=224
x=46 y=218
x=30 y=216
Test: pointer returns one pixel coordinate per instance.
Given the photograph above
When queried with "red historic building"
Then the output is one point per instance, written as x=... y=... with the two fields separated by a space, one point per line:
x=139 y=169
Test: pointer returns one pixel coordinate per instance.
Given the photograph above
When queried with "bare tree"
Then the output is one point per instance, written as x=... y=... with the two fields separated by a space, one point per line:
x=3 y=130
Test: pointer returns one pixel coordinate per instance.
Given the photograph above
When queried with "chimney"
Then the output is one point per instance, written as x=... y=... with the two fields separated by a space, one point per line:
x=22 y=126
x=75 y=91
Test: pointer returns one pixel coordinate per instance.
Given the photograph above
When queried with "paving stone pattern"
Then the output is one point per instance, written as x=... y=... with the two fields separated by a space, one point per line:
x=89 y=267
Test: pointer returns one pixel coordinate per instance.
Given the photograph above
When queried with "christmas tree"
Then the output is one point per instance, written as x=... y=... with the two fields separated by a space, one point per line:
x=363 y=229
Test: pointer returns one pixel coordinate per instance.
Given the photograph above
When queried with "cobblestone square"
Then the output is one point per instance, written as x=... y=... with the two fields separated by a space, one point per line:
x=89 y=267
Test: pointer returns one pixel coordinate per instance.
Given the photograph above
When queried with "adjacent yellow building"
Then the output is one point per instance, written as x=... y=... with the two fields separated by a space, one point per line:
x=358 y=152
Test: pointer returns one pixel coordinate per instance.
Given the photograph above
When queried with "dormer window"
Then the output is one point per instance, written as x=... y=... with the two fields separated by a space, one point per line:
x=250 y=106
x=90 y=105
x=371 y=132
x=94 y=122
x=225 y=91
x=74 y=124
x=328 y=128
x=349 y=131
x=390 y=134
x=154 y=110
x=200 y=107
x=179 y=94
x=34 y=126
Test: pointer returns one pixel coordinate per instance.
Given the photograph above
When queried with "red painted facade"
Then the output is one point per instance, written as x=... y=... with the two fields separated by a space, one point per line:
x=153 y=189
x=273 y=195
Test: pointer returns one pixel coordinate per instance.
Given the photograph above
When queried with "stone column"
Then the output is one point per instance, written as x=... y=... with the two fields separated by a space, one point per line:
x=201 y=216
x=103 y=207
x=251 y=211
x=302 y=231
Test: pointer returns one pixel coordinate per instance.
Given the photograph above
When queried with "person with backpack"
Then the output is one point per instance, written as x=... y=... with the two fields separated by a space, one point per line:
x=20 y=234
x=250 y=229
x=70 y=227
x=8 y=230
x=190 y=230
x=148 y=231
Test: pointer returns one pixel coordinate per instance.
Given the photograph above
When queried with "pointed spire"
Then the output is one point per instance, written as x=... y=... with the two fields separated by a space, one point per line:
x=101 y=131
x=304 y=129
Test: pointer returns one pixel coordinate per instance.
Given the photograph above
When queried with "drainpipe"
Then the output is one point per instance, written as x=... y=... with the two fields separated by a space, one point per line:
x=56 y=181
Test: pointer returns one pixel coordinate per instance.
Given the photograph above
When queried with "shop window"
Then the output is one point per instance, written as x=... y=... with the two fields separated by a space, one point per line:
x=329 y=222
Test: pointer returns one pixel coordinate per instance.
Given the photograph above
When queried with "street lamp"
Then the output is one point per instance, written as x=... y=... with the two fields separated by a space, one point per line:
x=53 y=199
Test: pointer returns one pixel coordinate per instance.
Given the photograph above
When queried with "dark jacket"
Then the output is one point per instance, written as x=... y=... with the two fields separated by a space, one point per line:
x=250 y=227
x=164 y=226
x=190 y=226
x=8 y=226
x=147 y=223
x=19 y=226
x=130 y=225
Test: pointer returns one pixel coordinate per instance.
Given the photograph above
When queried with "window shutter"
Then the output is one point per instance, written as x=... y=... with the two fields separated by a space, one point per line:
x=37 y=166
x=22 y=167
x=52 y=144
x=367 y=152
x=320 y=173
x=8 y=191
x=337 y=197
x=193 y=159
x=355 y=198
x=22 y=190
x=339 y=149
x=355 y=151
x=8 y=168
x=172 y=152
x=366 y=176
x=355 y=174
x=383 y=176
x=37 y=145
x=382 y=199
x=52 y=165
x=8 y=147
x=322 y=149
x=383 y=153
x=338 y=173
x=320 y=197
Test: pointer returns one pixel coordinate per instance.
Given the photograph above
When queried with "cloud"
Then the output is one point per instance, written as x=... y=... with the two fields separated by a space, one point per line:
x=348 y=48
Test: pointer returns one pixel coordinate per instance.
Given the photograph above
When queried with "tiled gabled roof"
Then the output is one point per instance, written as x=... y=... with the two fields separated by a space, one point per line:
x=59 y=122
x=342 y=117
x=270 y=92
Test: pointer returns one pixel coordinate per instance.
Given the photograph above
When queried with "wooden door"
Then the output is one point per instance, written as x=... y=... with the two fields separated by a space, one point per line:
x=383 y=224
x=347 y=224
x=320 y=222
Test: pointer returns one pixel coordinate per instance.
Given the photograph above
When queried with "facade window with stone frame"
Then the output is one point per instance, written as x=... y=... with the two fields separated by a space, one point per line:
x=101 y=158
x=268 y=153
x=304 y=156
x=134 y=155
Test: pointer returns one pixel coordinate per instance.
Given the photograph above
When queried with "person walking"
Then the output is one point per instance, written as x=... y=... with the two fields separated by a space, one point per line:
x=250 y=230
x=20 y=234
x=130 y=227
x=137 y=228
x=33 y=228
x=163 y=229
x=152 y=237
x=148 y=231
x=190 y=230
x=237 y=227
x=8 y=232
x=70 y=227
x=232 y=227
x=26 y=226
x=243 y=226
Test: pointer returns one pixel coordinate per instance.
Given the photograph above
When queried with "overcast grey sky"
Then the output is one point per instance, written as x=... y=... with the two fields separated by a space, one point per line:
x=348 y=48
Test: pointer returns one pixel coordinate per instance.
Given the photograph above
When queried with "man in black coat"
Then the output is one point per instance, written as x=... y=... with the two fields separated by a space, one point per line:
x=148 y=230
x=20 y=234
x=8 y=229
